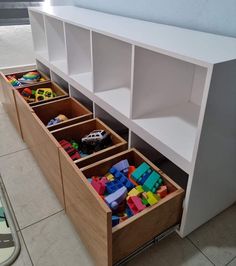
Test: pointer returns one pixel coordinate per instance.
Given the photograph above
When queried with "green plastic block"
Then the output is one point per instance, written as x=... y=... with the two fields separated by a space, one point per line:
x=140 y=171
x=145 y=202
x=150 y=183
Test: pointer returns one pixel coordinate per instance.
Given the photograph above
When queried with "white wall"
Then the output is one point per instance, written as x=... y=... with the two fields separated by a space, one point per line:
x=216 y=16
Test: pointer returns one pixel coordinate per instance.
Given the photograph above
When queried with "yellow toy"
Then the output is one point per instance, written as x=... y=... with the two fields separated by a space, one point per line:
x=43 y=94
x=151 y=198
x=110 y=177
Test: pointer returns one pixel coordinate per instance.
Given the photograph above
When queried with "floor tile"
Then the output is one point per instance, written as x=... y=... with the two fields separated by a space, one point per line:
x=172 y=251
x=10 y=141
x=54 y=242
x=31 y=197
x=23 y=259
x=217 y=238
x=232 y=263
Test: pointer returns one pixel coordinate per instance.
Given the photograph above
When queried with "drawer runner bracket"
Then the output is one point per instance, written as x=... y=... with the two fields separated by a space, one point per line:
x=152 y=242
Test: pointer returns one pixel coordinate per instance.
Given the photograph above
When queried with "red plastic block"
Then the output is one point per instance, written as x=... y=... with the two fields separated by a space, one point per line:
x=162 y=191
x=135 y=204
x=98 y=186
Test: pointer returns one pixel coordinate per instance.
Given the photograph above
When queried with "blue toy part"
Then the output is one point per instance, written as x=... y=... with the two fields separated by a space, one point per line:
x=122 y=166
x=115 y=220
x=113 y=200
x=122 y=178
x=53 y=121
x=128 y=212
x=113 y=186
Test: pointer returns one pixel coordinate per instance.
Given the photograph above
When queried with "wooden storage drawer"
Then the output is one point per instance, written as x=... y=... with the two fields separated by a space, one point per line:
x=77 y=131
x=60 y=93
x=92 y=217
x=72 y=109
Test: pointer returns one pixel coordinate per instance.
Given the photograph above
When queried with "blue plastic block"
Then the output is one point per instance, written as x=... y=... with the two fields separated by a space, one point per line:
x=138 y=172
x=115 y=220
x=122 y=165
x=113 y=186
x=113 y=200
x=122 y=178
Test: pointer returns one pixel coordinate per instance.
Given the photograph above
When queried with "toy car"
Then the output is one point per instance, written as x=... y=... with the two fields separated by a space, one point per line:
x=94 y=137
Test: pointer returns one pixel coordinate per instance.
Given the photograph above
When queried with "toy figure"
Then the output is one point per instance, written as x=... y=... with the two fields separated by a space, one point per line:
x=60 y=118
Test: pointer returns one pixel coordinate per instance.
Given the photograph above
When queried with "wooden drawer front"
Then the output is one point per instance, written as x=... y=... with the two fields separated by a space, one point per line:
x=8 y=101
x=20 y=74
x=55 y=88
x=72 y=109
x=89 y=214
x=77 y=131
x=42 y=144
x=144 y=226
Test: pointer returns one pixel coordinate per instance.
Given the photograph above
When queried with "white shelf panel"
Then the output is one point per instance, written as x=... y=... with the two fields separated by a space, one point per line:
x=175 y=130
x=118 y=99
x=43 y=54
x=61 y=64
x=193 y=46
x=84 y=79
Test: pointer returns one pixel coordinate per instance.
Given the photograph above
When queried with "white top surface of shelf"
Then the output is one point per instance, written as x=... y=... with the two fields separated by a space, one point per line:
x=193 y=46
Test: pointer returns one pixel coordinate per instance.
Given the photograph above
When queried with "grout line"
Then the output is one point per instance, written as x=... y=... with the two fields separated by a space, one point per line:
x=27 y=250
x=23 y=228
x=200 y=250
x=230 y=261
x=10 y=153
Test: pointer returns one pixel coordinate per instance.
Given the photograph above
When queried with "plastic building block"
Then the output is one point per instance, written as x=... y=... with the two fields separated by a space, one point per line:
x=113 y=200
x=137 y=174
x=115 y=220
x=162 y=191
x=73 y=153
x=143 y=179
x=140 y=189
x=104 y=180
x=145 y=201
x=109 y=176
x=98 y=185
x=133 y=192
x=131 y=170
x=113 y=186
x=152 y=198
x=152 y=183
x=122 y=178
x=135 y=204
x=122 y=166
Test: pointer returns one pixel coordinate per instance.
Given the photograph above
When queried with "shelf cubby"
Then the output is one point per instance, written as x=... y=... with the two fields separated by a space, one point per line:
x=78 y=45
x=167 y=94
x=41 y=67
x=81 y=98
x=60 y=81
x=39 y=34
x=113 y=123
x=112 y=71
x=56 y=43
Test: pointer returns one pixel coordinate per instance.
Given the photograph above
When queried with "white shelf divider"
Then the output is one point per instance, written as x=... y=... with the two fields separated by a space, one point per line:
x=56 y=43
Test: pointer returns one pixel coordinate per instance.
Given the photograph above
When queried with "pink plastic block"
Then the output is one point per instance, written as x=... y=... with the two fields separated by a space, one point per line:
x=99 y=186
x=135 y=204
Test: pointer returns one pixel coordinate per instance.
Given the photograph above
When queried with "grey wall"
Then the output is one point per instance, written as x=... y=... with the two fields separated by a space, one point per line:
x=216 y=16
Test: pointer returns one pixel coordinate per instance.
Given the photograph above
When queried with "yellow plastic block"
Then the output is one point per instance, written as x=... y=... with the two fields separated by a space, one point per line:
x=133 y=192
x=109 y=176
x=152 y=198
x=140 y=189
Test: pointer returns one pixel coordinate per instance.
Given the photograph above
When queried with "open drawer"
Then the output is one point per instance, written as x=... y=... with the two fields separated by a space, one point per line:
x=77 y=131
x=59 y=92
x=92 y=217
x=71 y=108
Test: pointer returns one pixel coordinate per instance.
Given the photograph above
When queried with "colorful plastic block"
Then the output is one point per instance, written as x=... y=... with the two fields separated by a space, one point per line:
x=140 y=189
x=109 y=176
x=131 y=170
x=162 y=191
x=135 y=204
x=152 y=198
x=145 y=176
x=113 y=186
x=137 y=174
x=115 y=220
x=98 y=185
x=152 y=183
x=122 y=166
x=133 y=192
x=113 y=200
x=122 y=178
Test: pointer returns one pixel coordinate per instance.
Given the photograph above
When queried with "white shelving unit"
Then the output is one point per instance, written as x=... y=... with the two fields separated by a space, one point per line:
x=173 y=88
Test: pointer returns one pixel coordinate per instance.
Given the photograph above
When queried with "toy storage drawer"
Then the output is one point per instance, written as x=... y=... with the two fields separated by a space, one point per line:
x=60 y=93
x=8 y=101
x=91 y=218
x=71 y=108
x=77 y=131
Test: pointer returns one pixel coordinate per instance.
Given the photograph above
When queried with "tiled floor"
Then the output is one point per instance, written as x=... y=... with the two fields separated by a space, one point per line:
x=49 y=239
